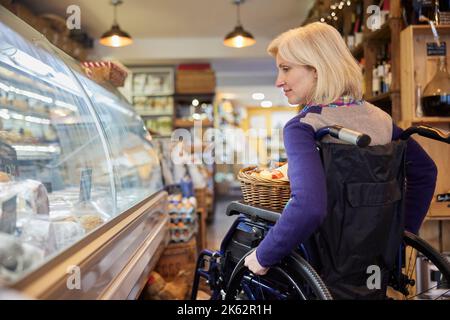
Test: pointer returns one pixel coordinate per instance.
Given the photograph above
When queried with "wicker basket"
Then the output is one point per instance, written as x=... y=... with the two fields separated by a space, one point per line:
x=257 y=191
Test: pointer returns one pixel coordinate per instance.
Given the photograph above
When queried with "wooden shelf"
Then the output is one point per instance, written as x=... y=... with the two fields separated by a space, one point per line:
x=384 y=33
x=180 y=123
x=439 y=211
x=156 y=115
x=193 y=95
x=384 y=97
x=431 y=120
x=427 y=28
x=162 y=95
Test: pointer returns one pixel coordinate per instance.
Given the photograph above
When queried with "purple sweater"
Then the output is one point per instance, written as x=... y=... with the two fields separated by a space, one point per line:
x=308 y=204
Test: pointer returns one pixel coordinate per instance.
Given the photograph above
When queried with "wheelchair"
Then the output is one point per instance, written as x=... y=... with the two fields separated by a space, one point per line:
x=311 y=272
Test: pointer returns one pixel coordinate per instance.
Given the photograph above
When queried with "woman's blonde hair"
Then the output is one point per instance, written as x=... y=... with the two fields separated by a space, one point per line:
x=320 y=46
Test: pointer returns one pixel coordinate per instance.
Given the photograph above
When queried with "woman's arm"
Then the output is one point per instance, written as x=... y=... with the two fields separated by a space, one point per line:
x=308 y=204
x=421 y=174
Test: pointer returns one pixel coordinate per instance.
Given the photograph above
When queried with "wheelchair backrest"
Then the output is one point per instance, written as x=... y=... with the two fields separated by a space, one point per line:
x=364 y=223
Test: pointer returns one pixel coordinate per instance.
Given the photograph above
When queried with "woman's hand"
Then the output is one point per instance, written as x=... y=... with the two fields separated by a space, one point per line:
x=253 y=265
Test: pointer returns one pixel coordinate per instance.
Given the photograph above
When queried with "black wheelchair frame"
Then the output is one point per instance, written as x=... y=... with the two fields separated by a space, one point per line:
x=294 y=277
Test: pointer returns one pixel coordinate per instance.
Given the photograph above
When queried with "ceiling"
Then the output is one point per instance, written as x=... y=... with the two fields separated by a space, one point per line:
x=175 y=31
x=182 y=18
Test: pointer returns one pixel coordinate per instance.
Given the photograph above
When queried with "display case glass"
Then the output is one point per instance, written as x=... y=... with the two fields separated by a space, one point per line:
x=73 y=154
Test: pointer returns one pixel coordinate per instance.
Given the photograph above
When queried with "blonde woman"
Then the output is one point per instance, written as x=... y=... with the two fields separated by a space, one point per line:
x=317 y=70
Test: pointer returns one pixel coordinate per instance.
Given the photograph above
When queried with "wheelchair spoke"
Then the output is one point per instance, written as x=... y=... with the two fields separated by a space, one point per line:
x=278 y=285
x=419 y=294
x=444 y=294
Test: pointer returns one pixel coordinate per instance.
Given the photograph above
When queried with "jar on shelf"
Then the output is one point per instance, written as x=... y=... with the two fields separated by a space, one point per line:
x=436 y=94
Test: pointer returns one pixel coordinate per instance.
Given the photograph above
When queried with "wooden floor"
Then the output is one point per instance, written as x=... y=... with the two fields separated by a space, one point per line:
x=220 y=223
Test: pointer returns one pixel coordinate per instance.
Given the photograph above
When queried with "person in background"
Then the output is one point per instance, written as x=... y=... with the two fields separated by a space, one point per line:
x=317 y=70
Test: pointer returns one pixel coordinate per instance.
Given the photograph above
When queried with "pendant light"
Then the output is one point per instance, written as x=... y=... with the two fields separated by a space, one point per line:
x=115 y=37
x=239 y=37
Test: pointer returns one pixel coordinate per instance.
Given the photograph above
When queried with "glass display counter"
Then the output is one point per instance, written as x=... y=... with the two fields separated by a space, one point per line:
x=81 y=193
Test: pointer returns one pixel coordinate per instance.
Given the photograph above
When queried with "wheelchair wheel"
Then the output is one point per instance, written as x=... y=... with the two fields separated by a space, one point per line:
x=425 y=273
x=293 y=279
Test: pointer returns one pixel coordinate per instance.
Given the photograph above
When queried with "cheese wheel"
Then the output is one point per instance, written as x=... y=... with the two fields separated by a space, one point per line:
x=4 y=177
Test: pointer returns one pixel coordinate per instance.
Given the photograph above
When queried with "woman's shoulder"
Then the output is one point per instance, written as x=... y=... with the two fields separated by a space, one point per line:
x=297 y=121
x=295 y=127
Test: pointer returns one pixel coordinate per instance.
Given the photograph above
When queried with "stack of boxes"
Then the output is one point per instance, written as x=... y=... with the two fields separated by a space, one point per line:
x=195 y=78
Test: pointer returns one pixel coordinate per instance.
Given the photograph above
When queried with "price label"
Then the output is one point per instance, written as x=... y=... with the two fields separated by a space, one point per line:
x=8 y=216
x=434 y=50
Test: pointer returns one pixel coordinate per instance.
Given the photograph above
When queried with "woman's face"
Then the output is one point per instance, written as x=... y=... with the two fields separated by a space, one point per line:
x=297 y=82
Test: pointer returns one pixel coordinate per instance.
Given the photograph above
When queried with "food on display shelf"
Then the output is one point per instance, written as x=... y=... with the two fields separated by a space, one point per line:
x=50 y=234
x=33 y=195
x=64 y=233
x=30 y=197
x=10 y=137
x=8 y=211
x=4 y=177
x=183 y=217
x=16 y=257
x=197 y=176
x=90 y=222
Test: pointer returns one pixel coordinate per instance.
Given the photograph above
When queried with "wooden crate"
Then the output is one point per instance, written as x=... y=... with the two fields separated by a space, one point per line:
x=195 y=81
x=200 y=195
x=177 y=257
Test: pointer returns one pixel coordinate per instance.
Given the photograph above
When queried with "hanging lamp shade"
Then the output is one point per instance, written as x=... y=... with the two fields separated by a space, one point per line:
x=239 y=37
x=115 y=37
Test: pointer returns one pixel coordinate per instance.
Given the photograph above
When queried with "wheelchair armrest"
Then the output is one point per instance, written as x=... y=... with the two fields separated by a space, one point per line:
x=237 y=207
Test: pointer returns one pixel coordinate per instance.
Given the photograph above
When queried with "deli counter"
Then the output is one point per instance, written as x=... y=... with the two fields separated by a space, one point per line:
x=82 y=202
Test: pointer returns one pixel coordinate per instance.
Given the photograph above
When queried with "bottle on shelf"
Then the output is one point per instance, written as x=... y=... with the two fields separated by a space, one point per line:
x=375 y=80
x=358 y=28
x=385 y=10
x=351 y=36
x=419 y=110
x=381 y=72
x=362 y=64
x=428 y=9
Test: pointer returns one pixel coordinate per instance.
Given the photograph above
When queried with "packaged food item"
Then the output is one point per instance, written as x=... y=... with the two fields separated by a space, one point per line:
x=35 y=195
x=90 y=221
x=8 y=209
x=51 y=234
x=64 y=233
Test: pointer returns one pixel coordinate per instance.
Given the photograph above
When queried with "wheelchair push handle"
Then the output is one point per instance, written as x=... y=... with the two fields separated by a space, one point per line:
x=353 y=137
x=427 y=132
